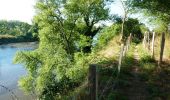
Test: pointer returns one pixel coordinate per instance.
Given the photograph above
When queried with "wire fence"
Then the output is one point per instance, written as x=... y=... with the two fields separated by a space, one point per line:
x=110 y=84
x=4 y=89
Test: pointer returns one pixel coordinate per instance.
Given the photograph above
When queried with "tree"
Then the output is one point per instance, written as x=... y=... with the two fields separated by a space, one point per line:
x=134 y=29
x=14 y=28
x=154 y=6
x=90 y=12
x=137 y=29
x=65 y=28
x=159 y=9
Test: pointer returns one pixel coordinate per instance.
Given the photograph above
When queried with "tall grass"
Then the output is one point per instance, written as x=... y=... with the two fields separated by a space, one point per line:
x=146 y=61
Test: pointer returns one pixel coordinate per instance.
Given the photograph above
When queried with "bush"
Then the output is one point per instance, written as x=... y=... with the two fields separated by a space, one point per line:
x=106 y=35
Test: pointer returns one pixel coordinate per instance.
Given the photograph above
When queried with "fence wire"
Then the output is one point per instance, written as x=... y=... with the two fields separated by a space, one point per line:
x=4 y=89
x=109 y=84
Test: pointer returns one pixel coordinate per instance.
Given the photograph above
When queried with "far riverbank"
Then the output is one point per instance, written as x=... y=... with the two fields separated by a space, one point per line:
x=7 y=39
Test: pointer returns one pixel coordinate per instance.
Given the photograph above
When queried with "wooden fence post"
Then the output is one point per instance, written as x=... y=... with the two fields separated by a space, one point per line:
x=93 y=82
x=144 y=39
x=153 y=41
x=129 y=41
x=121 y=56
x=130 y=38
x=148 y=37
x=162 y=47
x=124 y=50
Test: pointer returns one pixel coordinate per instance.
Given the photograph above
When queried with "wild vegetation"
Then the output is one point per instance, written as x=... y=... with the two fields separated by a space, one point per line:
x=15 y=31
x=72 y=37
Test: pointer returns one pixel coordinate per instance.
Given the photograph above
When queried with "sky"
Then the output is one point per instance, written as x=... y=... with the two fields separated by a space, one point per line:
x=116 y=8
x=23 y=10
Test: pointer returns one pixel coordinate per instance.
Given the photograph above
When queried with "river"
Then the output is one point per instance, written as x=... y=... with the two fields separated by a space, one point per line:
x=10 y=73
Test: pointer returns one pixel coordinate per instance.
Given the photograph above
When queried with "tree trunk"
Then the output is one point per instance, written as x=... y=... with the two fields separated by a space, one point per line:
x=162 y=47
x=153 y=41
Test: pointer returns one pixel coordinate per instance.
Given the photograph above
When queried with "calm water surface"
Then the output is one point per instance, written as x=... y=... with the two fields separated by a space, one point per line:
x=10 y=73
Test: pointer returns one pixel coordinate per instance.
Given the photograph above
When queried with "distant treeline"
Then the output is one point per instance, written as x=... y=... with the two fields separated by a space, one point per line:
x=16 y=31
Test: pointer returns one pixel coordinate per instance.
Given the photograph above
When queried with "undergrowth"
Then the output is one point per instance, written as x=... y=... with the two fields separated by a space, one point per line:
x=111 y=86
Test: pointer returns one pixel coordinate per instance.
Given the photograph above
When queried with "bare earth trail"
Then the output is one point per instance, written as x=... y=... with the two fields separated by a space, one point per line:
x=139 y=80
x=137 y=88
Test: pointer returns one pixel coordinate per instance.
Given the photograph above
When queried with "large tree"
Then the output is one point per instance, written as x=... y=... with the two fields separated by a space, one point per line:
x=90 y=13
x=66 y=27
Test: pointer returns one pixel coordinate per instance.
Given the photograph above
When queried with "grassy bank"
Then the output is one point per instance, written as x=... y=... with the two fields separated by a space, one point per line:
x=139 y=78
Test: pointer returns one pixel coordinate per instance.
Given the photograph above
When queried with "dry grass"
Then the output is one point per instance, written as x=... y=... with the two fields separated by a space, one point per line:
x=111 y=49
x=166 y=55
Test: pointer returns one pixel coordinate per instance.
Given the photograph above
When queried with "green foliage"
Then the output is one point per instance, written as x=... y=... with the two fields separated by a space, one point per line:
x=160 y=26
x=132 y=26
x=128 y=60
x=143 y=28
x=144 y=55
x=34 y=30
x=60 y=63
x=154 y=6
x=146 y=58
x=106 y=35
x=146 y=61
x=15 y=31
x=90 y=12
x=44 y=73
x=26 y=84
x=79 y=69
x=14 y=28
x=158 y=10
x=84 y=41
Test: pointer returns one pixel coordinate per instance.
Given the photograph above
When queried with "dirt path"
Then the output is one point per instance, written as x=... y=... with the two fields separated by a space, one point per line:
x=137 y=89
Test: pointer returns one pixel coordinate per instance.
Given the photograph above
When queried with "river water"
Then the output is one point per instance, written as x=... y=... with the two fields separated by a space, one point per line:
x=10 y=73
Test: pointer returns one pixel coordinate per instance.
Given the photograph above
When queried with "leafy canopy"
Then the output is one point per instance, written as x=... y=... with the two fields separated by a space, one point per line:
x=159 y=9
x=66 y=31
